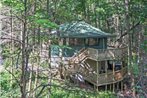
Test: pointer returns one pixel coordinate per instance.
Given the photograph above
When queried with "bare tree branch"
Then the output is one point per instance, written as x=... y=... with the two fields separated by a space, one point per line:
x=126 y=32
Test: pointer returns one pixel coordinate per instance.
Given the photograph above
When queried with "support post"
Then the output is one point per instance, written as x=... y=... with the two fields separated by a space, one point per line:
x=110 y=87
x=121 y=85
x=67 y=41
x=97 y=72
x=117 y=85
x=113 y=75
x=97 y=68
x=103 y=43
x=106 y=74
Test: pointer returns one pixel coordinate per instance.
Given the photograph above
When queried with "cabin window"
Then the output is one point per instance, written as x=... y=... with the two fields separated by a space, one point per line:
x=86 y=42
x=98 y=41
x=64 y=41
x=79 y=41
x=94 y=41
x=71 y=41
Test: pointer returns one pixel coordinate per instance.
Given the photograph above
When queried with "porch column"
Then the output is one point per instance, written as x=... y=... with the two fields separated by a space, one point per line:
x=67 y=41
x=103 y=43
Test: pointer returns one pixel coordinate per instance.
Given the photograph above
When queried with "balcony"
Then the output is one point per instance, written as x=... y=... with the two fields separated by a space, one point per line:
x=107 y=54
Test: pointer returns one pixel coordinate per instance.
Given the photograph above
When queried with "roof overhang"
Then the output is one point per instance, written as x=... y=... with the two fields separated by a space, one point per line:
x=81 y=30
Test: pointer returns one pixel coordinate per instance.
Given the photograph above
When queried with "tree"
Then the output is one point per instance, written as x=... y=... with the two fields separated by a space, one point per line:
x=32 y=21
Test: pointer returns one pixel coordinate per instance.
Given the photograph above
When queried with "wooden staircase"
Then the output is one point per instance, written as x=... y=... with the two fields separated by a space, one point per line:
x=76 y=62
x=79 y=57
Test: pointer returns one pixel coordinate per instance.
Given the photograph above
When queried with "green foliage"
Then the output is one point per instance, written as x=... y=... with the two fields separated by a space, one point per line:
x=135 y=65
x=7 y=62
x=74 y=92
x=46 y=23
x=144 y=45
x=7 y=89
x=92 y=11
x=0 y=4
x=5 y=81
x=17 y=5
x=56 y=91
x=61 y=93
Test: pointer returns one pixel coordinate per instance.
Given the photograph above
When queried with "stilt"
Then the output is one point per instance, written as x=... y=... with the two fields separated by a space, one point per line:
x=106 y=75
x=110 y=87
x=113 y=87
x=97 y=78
x=97 y=71
x=105 y=87
x=121 y=85
x=94 y=87
x=117 y=85
x=113 y=76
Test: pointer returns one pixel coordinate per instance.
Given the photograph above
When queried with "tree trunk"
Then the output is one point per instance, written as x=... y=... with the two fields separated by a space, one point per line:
x=23 y=46
x=129 y=47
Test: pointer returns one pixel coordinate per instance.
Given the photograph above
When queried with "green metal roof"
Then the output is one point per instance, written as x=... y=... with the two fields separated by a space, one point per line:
x=81 y=30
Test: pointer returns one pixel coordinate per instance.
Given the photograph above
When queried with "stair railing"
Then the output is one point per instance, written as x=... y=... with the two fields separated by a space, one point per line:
x=81 y=55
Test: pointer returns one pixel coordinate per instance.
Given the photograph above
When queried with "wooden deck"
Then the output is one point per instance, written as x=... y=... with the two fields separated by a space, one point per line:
x=101 y=79
x=106 y=78
x=80 y=66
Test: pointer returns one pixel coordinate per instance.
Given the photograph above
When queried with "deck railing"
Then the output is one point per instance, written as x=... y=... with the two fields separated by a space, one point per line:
x=82 y=54
x=106 y=54
x=106 y=78
x=98 y=54
x=100 y=79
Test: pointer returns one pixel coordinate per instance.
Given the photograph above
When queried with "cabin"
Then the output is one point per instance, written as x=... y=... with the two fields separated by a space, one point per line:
x=85 y=52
